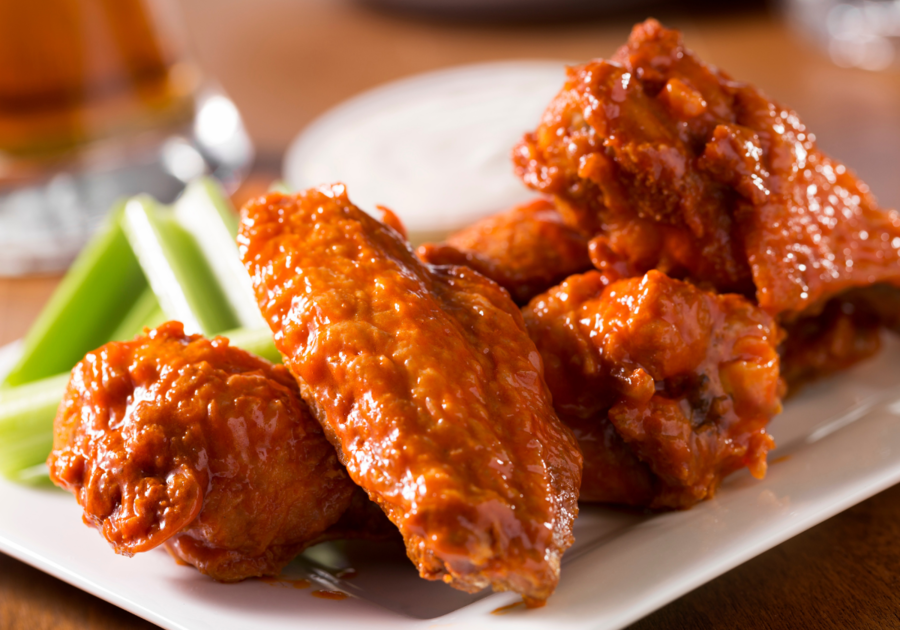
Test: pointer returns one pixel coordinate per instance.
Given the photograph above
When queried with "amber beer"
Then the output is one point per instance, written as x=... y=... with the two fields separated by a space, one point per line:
x=76 y=71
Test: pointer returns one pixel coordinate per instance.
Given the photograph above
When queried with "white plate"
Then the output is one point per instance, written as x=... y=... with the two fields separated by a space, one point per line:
x=839 y=443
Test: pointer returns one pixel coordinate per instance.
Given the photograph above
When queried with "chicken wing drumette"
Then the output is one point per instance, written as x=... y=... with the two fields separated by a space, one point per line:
x=425 y=379
x=668 y=387
x=525 y=250
x=176 y=439
x=672 y=165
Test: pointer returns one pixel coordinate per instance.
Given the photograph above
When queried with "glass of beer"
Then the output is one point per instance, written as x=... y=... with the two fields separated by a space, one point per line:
x=99 y=99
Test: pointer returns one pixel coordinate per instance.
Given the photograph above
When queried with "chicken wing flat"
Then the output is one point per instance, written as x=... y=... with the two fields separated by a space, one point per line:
x=426 y=381
x=180 y=440
x=525 y=250
x=668 y=387
x=675 y=166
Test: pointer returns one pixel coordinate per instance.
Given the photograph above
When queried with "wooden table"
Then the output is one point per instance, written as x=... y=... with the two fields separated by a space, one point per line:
x=286 y=62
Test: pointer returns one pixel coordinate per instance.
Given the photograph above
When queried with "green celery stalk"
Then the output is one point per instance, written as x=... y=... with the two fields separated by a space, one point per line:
x=27 y=411
x=145 y=313
x=178 y=272
x=90 y=302
x=37 y=475
x=206 y=214
x=26 y=423
x=256 y=341
x=105 y=294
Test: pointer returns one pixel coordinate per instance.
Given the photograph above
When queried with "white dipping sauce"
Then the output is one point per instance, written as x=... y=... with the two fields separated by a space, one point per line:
x=434 y=148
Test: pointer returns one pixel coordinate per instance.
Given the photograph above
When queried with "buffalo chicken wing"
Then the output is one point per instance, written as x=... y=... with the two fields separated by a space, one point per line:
x=667 y=387
x=180 y=440
x=670 y=164
x=425 y=379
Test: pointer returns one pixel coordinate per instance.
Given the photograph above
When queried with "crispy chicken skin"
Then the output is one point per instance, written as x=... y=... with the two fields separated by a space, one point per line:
x=525 y=250
x=426 y=381
x=177 y=439
x=674 y=166
x=667 y=387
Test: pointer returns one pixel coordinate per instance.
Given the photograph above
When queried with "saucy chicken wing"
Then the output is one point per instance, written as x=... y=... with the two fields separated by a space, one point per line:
x=672 y=165
x=180 y=440
x=426 y=381
x=525 y=250
x=667 y=387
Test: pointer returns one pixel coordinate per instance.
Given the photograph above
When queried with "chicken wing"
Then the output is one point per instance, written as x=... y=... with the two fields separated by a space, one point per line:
x=668 y=388
x=677 y=167
x=525 y=250
x=426 y=381
x=180 y=440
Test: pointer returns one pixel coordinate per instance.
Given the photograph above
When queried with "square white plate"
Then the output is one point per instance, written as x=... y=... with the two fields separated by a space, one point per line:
x=839 y=443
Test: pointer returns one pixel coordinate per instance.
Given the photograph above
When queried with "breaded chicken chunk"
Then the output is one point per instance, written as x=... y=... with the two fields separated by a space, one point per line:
x=178 y=440
x=668 y=388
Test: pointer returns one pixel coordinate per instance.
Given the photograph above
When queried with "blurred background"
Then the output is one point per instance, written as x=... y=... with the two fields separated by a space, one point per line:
x=104 y=98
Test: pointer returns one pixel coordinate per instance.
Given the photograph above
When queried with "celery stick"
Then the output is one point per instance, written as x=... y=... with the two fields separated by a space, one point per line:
x=145 y=313
x=179 y=275
x=154 y=318
x=104 y=295
x=256 y=341
x=26 y=423
x=90 y=302
x=34 y=476
x=205 y=213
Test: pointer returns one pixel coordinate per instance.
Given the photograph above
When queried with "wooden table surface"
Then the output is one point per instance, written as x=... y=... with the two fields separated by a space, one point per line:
x=284 y=62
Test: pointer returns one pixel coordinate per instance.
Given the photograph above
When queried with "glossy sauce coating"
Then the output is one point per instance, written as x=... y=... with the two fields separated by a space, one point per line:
x=180 y=440
x=426 y=380
x=668 y=387
x=526 y=250
x=676 y=166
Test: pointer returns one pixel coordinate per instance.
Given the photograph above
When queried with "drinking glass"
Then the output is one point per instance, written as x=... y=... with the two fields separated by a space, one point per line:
x=99 y=99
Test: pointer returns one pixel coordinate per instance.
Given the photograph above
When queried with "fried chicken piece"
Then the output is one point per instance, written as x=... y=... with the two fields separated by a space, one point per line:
x=668 y=388
x=525 y=250
x=177 y=439
x=426 y=381
x=677 y=167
